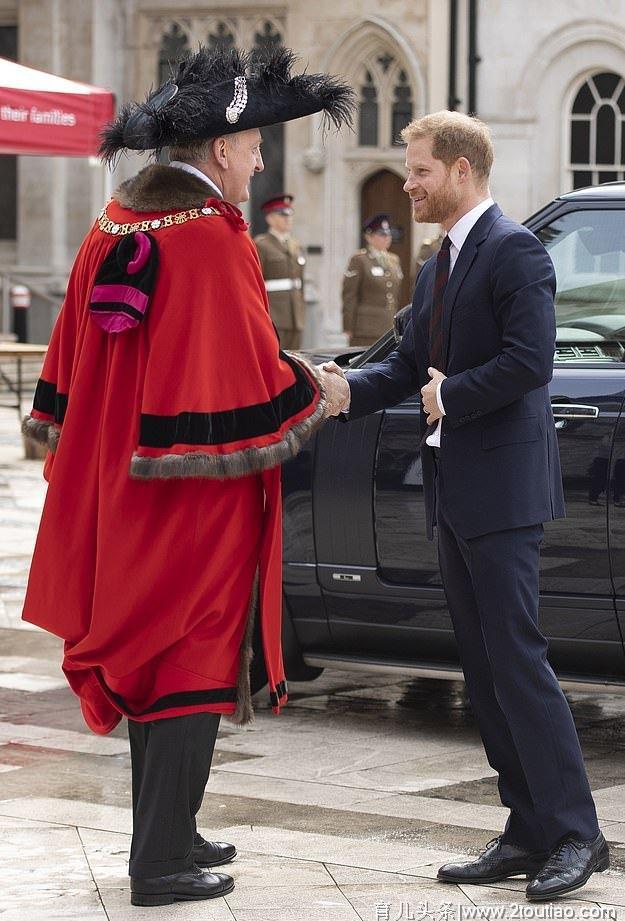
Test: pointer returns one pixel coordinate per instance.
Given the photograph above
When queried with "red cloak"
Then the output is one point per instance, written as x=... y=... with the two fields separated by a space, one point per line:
x=163 y=501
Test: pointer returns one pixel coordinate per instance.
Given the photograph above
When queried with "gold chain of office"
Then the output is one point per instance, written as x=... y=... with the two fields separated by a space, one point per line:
x=106 y=225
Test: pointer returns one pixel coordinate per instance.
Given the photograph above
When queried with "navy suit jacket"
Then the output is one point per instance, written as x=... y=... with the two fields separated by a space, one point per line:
x=499 y=463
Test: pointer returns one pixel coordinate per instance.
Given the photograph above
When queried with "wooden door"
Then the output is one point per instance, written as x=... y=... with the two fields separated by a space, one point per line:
x=384 y=191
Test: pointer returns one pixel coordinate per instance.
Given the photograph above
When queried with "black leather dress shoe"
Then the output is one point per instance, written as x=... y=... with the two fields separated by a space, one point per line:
x=212 y=853
x=498 y=861
x=570 y=867
x=189 y=886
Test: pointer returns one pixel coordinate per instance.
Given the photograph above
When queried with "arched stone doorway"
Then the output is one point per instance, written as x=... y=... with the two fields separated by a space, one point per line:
x=383 y=191
x=394 y=66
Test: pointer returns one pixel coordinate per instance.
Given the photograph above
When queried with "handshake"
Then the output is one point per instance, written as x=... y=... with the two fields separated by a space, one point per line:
x=336 y=388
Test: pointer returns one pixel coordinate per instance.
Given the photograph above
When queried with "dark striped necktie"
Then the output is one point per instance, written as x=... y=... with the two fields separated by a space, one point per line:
x=436 y=315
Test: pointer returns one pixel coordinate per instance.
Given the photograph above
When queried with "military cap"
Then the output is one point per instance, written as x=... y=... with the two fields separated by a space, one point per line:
x=283 y=204
x=378 y=223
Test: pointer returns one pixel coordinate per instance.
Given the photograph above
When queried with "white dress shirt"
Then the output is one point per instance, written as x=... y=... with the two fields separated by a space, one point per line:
x=457 y=236
x=178 y=164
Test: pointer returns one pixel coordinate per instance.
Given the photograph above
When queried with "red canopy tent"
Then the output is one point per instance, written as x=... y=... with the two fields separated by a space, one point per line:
x=44 y=114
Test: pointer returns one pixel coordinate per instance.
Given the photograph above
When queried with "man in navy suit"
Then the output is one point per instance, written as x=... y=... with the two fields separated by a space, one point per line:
x=479 y=346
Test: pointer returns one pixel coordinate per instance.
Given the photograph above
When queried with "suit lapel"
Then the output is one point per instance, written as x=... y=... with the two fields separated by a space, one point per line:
x=466 y=258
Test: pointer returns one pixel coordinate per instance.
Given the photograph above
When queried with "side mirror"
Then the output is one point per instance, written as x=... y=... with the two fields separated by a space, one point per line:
x=399 y=322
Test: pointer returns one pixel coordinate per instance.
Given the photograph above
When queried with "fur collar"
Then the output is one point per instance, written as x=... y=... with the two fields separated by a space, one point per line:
x=163 y=188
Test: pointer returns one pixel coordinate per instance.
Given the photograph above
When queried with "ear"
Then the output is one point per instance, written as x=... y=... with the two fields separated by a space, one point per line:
x=220 y=152
x=464 y=169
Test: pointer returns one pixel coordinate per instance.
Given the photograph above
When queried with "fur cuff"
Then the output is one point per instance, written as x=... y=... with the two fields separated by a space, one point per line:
x=240 y=463
x=46 y=433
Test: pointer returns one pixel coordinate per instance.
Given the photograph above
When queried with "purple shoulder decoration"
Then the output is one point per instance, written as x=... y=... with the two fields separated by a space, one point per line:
x=124 y=283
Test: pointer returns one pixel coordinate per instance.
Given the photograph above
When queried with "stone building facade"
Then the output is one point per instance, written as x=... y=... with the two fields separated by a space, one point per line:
x=548 y=79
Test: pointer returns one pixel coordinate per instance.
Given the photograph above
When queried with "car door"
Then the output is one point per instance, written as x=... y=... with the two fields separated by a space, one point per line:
x=577 y=610
x=616 y=519
x=378 y=572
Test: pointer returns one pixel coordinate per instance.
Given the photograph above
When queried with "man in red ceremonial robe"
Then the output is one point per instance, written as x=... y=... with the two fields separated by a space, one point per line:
x=168 y=406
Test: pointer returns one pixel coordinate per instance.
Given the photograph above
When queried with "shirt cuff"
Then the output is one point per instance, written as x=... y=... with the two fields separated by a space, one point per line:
x=348 y=402
x=439 y=398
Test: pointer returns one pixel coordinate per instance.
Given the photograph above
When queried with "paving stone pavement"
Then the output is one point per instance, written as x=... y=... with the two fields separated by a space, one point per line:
x=341 y=808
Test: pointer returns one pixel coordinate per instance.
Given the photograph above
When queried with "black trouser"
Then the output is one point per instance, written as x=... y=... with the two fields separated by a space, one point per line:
x=171 y=761
x=491 y=584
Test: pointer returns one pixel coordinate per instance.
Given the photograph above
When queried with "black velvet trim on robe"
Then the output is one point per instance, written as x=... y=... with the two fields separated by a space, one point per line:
x=179 y=699
x=277 y=695
x=49 y=401
x=193 y=428
x=114 y=307
x=194 y=699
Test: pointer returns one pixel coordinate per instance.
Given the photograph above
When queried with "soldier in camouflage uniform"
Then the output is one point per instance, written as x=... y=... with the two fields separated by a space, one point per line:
x=371 y=285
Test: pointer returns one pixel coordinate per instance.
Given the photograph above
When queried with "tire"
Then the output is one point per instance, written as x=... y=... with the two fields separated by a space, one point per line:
x=294 y=665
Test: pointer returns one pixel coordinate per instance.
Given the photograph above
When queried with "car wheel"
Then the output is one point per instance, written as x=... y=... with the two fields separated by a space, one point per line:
x=294 y=665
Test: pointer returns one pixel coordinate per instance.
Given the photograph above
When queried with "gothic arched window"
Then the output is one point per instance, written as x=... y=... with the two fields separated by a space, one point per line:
x=597 y=131
x=221 y=37
x=402 y=107
x=266 y=40
x=385 y=106
x=271 y=181
x=368 y=113
x=174 y=45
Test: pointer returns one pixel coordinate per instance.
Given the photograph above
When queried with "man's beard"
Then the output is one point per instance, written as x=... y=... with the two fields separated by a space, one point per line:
x=438 y=206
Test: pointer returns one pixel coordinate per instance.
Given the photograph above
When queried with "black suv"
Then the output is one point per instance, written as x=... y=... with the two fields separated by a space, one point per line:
x=361 y=581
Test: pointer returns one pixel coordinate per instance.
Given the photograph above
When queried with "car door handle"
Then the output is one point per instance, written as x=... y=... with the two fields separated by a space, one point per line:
x=564 y=412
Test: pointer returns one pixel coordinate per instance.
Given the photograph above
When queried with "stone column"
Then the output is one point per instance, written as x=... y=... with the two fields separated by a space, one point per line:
x=437 y=55
x=41 y=180
x=58 y=197
x=108 y=69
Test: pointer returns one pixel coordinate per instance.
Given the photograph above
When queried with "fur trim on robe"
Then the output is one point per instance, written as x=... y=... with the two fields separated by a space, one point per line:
x=215 y=466
x=44 y=433
x=239 y=463
x=244 y=712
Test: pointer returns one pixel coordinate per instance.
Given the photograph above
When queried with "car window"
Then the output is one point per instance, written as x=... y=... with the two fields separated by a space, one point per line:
x=588 y=251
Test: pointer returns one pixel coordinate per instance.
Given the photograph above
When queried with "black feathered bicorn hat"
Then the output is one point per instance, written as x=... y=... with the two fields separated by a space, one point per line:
x=216 y=92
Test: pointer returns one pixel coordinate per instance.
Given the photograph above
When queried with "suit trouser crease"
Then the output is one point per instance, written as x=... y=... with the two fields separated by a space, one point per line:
x=491 y=584
x=171 y=760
